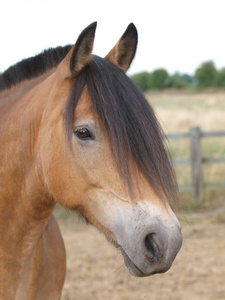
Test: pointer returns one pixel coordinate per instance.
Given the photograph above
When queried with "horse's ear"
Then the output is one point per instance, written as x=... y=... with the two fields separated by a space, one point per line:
x=123 y=53
x=80 y=54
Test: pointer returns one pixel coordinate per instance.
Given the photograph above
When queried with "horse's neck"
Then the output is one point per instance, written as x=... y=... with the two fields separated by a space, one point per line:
x=24 y=203
x=15 y=92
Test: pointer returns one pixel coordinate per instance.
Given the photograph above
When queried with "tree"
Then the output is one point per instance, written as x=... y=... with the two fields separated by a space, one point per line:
x=176 y=81
x=206 y=74
x=221 y=78
x=142 y=80
x=189 y=79
x=160 y=79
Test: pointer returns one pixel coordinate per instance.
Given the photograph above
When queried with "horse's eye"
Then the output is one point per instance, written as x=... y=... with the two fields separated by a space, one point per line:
x=83 y=134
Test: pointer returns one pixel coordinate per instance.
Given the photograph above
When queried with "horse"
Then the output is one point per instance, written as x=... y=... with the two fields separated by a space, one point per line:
x=75 y=130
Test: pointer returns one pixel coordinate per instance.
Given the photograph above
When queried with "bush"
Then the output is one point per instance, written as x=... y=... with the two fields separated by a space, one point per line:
x=221 y=78
x=160 y=79
x=189 y=80
x=206 y=75
x=176 y=81
x=142 y=80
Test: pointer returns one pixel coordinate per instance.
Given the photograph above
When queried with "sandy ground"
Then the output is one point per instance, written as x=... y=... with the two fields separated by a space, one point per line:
x=95 y=269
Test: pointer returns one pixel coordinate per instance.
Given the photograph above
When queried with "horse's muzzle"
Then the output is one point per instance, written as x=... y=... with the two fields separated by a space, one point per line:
x=155 y=252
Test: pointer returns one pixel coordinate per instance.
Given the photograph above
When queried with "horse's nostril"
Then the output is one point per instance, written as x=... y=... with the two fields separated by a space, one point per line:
x=153 y=250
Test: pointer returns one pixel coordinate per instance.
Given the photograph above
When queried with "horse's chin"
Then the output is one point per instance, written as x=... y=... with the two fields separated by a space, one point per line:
x=131 y=267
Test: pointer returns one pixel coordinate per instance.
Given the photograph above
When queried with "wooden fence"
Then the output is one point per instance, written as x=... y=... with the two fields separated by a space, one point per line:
x=196 y=160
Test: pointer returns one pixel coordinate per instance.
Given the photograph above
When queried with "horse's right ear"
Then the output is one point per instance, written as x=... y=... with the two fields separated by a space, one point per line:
x=80 y=54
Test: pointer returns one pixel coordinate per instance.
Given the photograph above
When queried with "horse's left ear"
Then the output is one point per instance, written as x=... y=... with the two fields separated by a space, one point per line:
x=124 y=51
x=80 y=54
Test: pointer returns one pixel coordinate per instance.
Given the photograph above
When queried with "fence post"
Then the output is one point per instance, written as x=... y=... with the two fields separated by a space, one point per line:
x=196 y=163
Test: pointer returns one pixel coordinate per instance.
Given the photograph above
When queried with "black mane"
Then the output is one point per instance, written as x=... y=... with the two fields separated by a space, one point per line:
x=134 y=133
x=32 y=67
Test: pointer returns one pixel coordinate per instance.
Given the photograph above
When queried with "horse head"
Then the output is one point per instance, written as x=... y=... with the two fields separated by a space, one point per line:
x=102 y=153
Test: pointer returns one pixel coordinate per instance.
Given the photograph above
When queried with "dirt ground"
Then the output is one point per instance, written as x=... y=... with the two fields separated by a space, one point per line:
x=95 y=270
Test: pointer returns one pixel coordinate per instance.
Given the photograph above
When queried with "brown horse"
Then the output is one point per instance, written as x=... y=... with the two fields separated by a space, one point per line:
x=75 y=130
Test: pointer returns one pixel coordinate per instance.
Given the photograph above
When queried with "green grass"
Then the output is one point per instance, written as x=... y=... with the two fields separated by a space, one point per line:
x=63 y=213
x=179 y=148
x=211 y=147
x=212 y=199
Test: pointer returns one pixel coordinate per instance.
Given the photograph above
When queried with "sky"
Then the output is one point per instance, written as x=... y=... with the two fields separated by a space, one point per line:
x=177 y=35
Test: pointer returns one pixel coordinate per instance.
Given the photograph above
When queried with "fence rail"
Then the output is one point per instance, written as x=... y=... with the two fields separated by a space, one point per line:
x=196 y=160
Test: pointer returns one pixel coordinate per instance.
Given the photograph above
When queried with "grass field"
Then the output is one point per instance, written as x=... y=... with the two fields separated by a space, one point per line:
x=177 y=112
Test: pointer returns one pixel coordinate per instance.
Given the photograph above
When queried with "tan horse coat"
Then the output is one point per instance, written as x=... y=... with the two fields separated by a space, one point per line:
x=37 y=170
